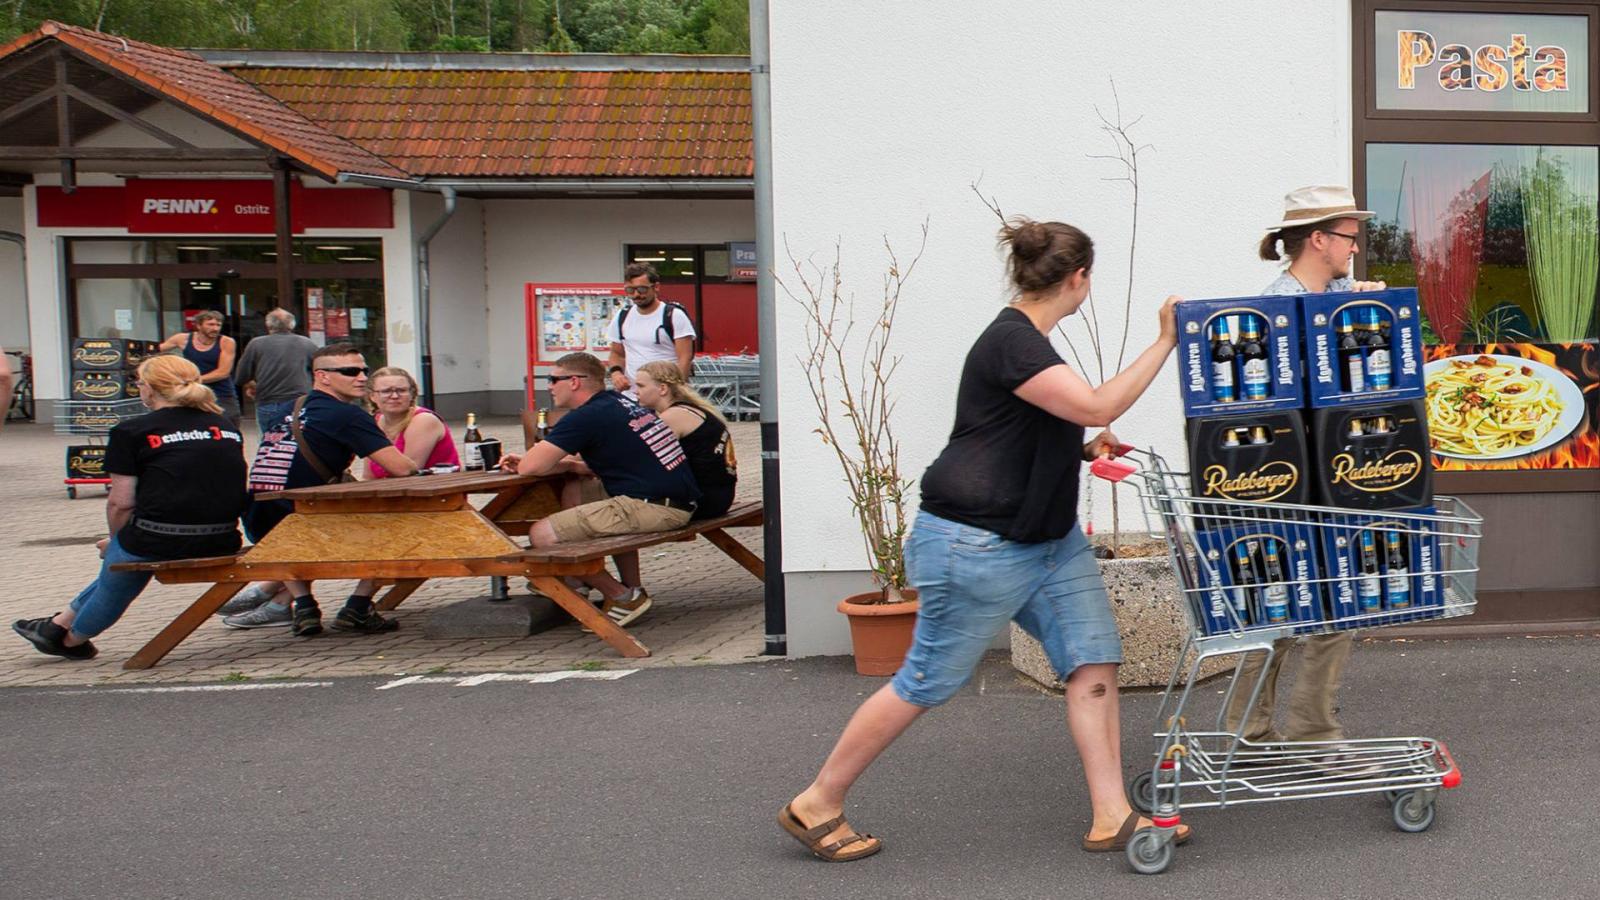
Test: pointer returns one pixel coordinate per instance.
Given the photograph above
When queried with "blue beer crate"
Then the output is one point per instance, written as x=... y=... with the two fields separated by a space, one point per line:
x=1330 y=378
x=1424 y=585
x=1199 y=324
x=1218 y=548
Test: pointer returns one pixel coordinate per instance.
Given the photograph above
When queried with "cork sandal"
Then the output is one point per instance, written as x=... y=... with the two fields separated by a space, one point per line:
x=1119 y=841
x=852 y=846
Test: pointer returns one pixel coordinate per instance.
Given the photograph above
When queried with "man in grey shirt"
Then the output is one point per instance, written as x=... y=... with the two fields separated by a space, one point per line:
x=276 y=369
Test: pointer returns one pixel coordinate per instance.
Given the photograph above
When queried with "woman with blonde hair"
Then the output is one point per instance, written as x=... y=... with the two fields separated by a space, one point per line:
x=177 y=489
x=416 y=431
x=701 y=430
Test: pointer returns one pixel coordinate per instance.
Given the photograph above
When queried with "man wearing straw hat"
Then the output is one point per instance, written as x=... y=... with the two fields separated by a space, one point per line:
x=1320 y=233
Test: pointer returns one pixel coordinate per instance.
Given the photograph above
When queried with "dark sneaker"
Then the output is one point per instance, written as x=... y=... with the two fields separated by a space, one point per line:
x=371 y=623
x=49 y=638
x=307 y=622
x=267 y=615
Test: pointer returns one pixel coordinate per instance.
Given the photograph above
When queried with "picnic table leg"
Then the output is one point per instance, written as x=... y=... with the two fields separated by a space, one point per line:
x=184 y=625
x=584 y=612
x=739 y=552
x=397 y=595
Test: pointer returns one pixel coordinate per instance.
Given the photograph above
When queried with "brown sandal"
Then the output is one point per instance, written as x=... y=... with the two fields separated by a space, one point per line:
x=1129 y=826
x=834 y=851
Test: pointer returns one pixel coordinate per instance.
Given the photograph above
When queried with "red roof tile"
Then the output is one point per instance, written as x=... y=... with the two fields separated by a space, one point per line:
x=530 y=123
x=188 y=80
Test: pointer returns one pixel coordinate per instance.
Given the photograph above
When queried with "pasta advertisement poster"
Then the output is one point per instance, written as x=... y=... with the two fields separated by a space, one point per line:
x=1514 y=406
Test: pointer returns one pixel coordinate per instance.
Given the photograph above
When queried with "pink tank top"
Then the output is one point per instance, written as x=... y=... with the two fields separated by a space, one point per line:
x=444 y=453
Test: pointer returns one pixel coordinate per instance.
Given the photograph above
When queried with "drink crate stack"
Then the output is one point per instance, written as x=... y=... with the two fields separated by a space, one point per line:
x=104 y=391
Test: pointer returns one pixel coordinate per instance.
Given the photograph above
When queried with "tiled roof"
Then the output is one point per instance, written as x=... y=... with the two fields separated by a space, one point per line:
x=530 y=123
x=186 y=79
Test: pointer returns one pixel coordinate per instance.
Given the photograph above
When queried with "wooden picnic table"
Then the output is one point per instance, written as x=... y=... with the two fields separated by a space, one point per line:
x=404 y=531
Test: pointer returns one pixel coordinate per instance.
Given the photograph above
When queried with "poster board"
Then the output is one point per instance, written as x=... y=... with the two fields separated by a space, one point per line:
x=1470 y=386
x=566 y=318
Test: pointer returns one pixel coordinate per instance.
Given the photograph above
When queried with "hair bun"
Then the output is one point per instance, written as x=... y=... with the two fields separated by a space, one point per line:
x=1029 y=239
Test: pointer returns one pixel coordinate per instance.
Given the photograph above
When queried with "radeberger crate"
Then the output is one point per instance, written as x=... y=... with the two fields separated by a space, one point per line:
x=86 y=461
x=110 y=354
x=1255 y=458
x=104 y=386
x=1372 y=457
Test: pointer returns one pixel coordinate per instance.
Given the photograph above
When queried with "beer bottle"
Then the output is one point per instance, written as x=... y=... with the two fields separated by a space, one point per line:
x=1222 y=387
x=541 y=429
x=1369 y=592
x=1350 y=363
x=1275 y=597
x=1355 y=429
x=1377 y=343
x=1230 y=437
x=1258 y=434
x=1252 y=359
x=472 y=444
x=1398 y=584
x=1380 y=425
x=1244 y=594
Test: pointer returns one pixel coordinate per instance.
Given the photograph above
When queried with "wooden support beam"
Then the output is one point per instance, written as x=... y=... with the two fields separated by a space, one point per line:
x=95 y=103
x=120 y=154
x=22 y=106
x=285 y=235
x=69 y=174
x=184 y=625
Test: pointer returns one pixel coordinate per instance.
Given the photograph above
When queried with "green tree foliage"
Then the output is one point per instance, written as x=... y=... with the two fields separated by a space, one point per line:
x=570 y=26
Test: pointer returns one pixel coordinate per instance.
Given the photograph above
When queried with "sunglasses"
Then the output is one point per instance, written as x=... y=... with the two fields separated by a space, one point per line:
x=553 y=380
x=347 y=371
x=638 y=288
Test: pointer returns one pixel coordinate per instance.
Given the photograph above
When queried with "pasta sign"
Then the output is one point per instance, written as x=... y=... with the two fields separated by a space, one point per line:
x=1489 y=68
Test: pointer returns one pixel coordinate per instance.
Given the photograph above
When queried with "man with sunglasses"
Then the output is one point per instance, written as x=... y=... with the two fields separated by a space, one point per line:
x=315 y=444
x=1320 y=233
x=648 y=330
x=637 y=458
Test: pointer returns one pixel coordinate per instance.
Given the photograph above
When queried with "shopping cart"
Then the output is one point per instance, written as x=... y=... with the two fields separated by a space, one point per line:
x=1200 y=768
x=92 y=419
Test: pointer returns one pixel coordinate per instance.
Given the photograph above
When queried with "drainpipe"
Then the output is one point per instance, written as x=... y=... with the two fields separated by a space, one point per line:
x=424 y=297
x=767 y=327
x=22 y=248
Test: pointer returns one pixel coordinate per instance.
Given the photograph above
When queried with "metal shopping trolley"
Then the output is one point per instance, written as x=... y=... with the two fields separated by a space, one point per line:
x=1321 y=575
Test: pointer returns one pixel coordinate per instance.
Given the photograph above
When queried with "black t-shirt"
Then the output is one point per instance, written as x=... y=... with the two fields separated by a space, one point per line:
x=336 y=431
x=712 y=460
x=1010 y=467
x=629 y=447
x=190 y=466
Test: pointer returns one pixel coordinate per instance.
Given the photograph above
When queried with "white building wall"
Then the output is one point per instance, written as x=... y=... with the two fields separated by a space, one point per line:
x=579 y=241
x=460 y=316
x=13 y=300
x=880 y=125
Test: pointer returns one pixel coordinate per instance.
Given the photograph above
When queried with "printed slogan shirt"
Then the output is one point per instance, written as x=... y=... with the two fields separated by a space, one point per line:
x=190 y=469
x=629 y=447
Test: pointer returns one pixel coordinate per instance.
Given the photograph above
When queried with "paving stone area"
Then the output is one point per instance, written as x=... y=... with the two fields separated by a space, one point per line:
x=708 y=610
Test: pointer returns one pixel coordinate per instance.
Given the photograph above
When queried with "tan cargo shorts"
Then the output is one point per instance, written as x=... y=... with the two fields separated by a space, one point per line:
x=613 y=516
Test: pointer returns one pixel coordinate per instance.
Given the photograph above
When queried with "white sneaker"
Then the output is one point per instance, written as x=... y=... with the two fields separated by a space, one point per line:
x=246 y=600
x=629 y=608
x=267 y=615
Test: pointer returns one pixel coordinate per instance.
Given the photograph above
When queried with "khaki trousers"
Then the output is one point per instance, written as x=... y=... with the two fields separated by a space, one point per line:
x=1311 y=704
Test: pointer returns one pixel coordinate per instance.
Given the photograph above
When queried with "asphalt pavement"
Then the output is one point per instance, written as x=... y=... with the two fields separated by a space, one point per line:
x=665 y=783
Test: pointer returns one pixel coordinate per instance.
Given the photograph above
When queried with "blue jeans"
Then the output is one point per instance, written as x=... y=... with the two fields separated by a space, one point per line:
x=270 y=414
x=971 y=582
x=103 y=602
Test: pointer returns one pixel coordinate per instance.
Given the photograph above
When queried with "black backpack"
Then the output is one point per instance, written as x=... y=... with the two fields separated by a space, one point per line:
x=666 y=319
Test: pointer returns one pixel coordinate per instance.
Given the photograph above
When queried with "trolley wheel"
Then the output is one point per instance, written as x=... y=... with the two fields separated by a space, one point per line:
x=72 y=492
x=1150 y=851
x=1412 y=813
x=1142 y=793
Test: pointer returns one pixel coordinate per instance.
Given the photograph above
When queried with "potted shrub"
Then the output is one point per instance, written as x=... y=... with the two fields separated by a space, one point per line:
x=855 y=408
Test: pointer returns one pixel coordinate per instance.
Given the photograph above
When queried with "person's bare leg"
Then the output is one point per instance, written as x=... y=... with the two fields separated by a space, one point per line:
x=65 y=618
x=875 y=725
x=628 y=568
x=1093 y=714
x=542 y=535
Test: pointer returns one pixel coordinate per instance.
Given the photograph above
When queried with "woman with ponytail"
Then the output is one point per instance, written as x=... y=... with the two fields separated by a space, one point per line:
x=177 y=489
x=997 y=540
x=701 y=430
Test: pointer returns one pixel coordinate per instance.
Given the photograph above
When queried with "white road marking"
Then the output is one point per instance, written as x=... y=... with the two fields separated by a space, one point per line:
x=523 y=677
x=195 y=688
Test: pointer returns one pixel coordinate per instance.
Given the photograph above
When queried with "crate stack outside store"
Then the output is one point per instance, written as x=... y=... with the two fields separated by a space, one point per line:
x=1309 y=400
x=104 y=392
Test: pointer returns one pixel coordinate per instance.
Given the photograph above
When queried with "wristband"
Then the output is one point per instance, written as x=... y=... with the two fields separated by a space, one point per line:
x=614 y=370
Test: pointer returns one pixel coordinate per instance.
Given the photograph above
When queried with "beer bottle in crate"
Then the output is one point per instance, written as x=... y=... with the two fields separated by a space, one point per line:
x=1369 y=590
x=1275 y=596
x=1223 y=389
x=1252 y=359
x=1398 y=584
x=1351 y=366
x=1244 y=594
x=1379 y=369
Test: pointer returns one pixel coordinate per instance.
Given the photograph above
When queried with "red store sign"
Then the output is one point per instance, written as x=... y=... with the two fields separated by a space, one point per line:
x=162 y=206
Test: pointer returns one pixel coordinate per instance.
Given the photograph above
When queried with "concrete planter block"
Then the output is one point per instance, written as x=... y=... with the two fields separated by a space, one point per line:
x=1147 y=604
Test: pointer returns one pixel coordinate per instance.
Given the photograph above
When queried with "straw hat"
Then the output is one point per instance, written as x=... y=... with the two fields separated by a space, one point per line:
x=1319 y=203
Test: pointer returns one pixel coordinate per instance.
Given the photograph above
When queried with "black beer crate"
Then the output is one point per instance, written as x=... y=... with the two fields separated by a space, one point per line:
x=110 y=354
x=86 y=461
x=1254 y=458
x=1372 y=457
x=104 y=386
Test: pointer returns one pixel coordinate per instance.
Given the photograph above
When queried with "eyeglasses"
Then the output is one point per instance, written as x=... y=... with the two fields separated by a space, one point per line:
x=1352 y=238
x=638 y=288
x=347 y=371
x=554 y=380
x=393 y=392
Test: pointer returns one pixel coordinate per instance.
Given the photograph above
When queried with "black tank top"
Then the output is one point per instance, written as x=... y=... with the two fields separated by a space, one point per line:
x=711 y=459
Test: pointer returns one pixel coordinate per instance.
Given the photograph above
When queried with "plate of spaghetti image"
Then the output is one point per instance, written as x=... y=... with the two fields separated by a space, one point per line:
x=1493 y=406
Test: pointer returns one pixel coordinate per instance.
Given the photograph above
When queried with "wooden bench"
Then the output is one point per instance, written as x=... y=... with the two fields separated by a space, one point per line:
x=403 y=531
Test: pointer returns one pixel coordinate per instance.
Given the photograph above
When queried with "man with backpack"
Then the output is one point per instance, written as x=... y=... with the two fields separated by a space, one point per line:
x=647 y=329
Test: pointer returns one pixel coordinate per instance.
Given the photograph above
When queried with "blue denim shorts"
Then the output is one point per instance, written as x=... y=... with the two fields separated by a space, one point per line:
x=971 y=582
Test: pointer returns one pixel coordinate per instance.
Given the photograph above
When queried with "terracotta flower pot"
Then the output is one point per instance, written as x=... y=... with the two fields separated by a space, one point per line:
x=880 y=632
